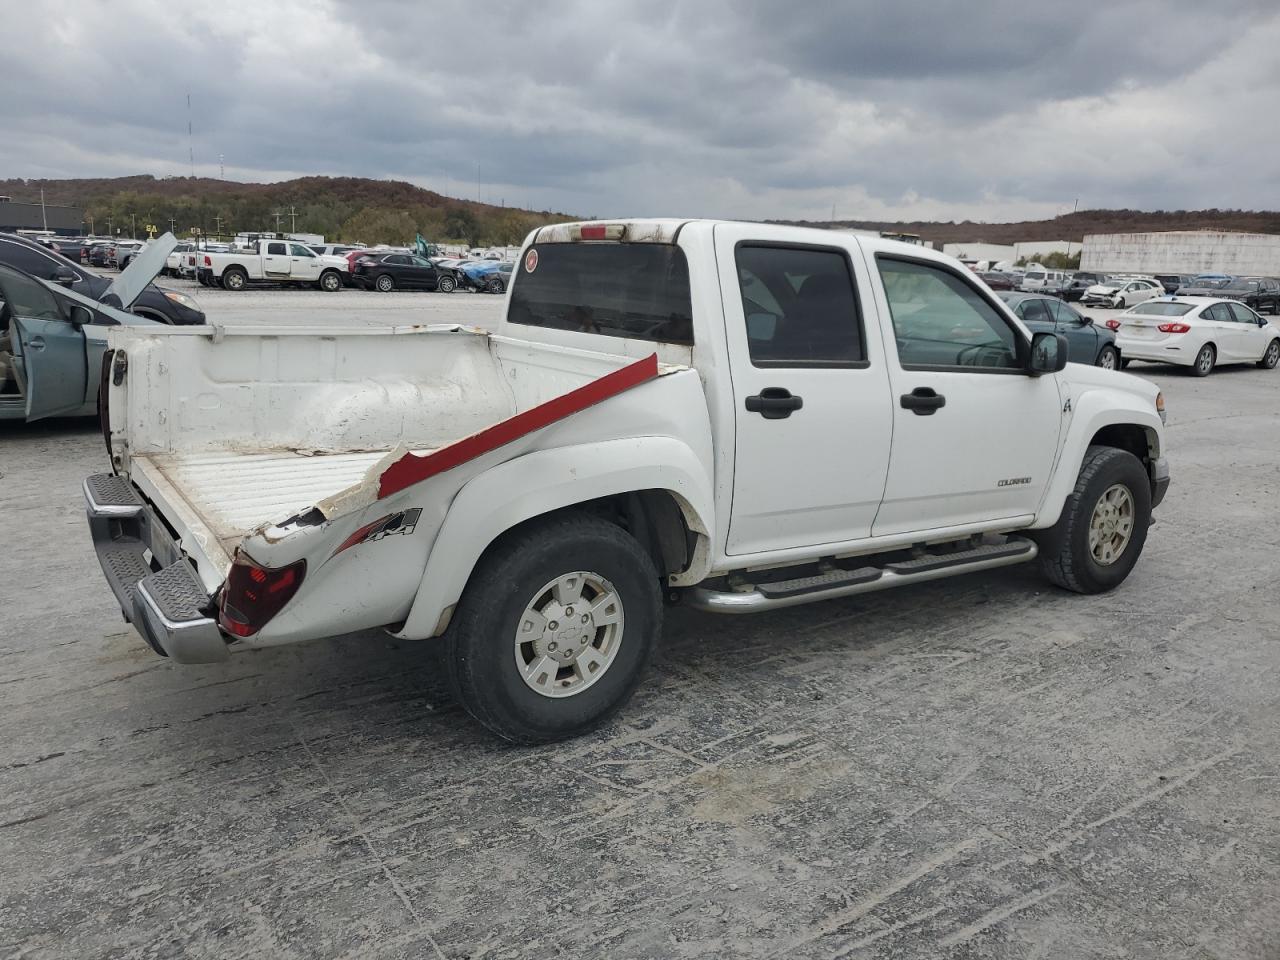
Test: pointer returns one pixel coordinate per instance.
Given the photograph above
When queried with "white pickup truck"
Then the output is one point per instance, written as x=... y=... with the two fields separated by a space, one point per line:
x=739 y=417
x=272 y=261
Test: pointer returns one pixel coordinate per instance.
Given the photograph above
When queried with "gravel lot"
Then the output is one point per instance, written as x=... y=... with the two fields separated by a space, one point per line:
x=977 y=767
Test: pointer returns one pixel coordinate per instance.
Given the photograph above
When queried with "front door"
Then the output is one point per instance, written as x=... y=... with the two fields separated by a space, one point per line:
x=974 y=436
x=1249 y=340
x=304 y=264
x=1081 y=334
x=811 y=402
x=276 y=263
x=54 y=367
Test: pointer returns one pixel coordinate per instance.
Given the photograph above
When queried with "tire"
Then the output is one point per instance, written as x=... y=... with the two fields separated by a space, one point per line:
x=384 y=283
x=1068 y=555
x=234 y=279
x=520 y=575
x=1271 y=357
x=1120 y=303
x=1109 y=358
x=495 y=286
x=446 y=284
x=330 y=281
x=1205 y=360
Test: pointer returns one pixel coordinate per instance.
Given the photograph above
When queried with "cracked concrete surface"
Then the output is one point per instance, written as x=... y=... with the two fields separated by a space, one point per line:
x=983 y=767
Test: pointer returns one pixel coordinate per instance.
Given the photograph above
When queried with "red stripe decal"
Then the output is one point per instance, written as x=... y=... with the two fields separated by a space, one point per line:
x=411 y=468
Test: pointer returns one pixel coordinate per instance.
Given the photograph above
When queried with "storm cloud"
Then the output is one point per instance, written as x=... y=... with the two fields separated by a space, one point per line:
x=935 y=110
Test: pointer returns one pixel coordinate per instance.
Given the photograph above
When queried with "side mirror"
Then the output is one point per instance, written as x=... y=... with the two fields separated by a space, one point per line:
x=64 y=277
x=79 y=315
x=1086 y=321
x=1048 y=353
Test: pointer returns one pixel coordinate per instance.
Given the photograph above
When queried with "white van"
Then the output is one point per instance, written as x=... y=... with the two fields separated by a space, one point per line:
x=1044 y=281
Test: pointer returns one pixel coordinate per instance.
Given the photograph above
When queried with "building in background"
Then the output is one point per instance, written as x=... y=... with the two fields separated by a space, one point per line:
x=977 y=251
x=1183 y=251
x=61 y=221
x=1039 y=249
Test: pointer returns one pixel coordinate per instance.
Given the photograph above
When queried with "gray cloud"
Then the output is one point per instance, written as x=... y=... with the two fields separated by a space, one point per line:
x=762 y=109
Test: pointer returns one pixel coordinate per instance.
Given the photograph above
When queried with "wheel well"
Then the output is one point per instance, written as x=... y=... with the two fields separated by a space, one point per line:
x=653 y=517
x=1128 y=436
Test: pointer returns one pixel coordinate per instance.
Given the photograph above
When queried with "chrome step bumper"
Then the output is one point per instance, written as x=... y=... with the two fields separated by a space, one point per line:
x=169 y=606
x=846 y=583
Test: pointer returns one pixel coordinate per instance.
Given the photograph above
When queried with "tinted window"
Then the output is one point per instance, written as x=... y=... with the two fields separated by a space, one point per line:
x=398 y=259
x=1063 y=313
x=275 y=249
x=25 y=258
x=26 y=298
x=1036 y=311
x=800 y=306
x=635 y=290
x=1219 y=312
x=420 y=262
x=940 y=320
x=1034 y=275
x=1242 y=313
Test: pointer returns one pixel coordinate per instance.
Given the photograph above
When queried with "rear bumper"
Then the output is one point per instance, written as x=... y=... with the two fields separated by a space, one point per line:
x=156 y=586
x=1160 y=351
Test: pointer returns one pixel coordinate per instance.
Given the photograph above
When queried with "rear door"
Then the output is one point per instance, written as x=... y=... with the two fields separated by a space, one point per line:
x=811 y=392
x=276 y=263
x=50 y=348
x=974 y=436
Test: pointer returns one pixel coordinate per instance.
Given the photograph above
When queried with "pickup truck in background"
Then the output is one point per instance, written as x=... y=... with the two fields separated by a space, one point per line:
x=740 y=417
x=272 y=261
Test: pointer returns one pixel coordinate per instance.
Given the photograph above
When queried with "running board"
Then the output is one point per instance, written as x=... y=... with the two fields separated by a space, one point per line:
x=845 y=583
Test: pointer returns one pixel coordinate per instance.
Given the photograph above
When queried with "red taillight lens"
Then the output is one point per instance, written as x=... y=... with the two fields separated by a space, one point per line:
x=208 y=261
x=254 y=594
x=1173 y=328
x=1113 y=324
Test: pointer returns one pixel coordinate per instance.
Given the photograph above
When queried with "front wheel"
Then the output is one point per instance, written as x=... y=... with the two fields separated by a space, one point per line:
x=1109 y=358
x=1271 y=357
x=446 y=284
x=555 y=629
x=1119 y=303
x=1205 y=360
x=496 y=286
x=1103 y=526
x=330 y=282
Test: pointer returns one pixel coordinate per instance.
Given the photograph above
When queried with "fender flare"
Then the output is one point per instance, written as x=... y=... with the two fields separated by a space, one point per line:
x=1094 y=410
x=536 y=484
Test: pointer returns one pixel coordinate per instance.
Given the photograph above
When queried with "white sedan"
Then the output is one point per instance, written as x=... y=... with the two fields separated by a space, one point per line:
x=1122 y=293
x=1196 y=332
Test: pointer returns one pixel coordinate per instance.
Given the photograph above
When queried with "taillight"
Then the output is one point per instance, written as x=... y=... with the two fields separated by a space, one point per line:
x=1174 y=327
x=1113 y=324
x=208 y=261
x=254 y=594
x=600 y=231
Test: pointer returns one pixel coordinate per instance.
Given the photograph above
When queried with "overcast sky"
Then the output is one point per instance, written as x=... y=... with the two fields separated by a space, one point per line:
x=737 y=108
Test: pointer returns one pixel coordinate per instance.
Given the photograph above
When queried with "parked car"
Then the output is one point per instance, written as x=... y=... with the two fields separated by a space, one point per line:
x=400 y=271
x=155 y=303
x=1262 y=294
x=486 y=276
x=1076 y=289
x=190 y=266
x=1172 y=281
x=99 y=254
x=1197 y=332
x=52 y=342
x=1044 y=281
x=1207 y=286
x=1119 y=293
x=1087 y=343
x=333 y=249
x=124 y=251
x=271 y=261
x=997 y=281
x=536 y=495
x=173 y=263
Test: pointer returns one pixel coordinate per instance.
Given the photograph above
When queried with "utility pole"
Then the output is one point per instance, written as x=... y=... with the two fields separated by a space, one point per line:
x=191 y=143
x=133 y=226
x=91 y=225
x=278 y=215
x=217 y=226
x=43 y=218
x=172 y=221
x=293 y=215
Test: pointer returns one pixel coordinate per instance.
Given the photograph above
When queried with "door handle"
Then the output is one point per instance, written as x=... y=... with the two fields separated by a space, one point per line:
x=923 y=401
x=36 y=343
x=774 y=403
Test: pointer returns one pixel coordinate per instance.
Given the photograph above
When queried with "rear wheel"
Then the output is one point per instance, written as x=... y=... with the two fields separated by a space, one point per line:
x=384 y=283
x=1205 y=360
x=555 y=629
x=1109 y=358
x=1103 y=526
x=234 y=279
x=1271 y=357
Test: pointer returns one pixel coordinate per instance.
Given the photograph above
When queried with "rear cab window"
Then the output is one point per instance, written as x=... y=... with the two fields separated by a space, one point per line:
x=634 y=291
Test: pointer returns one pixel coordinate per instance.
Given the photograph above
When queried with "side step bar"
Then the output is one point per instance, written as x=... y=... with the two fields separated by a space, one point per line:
x=845 y=583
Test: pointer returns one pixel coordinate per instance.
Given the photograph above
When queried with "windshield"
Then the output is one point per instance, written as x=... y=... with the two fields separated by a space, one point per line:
x=1249 y=286
x=1210 y=284
x=634 y=290
x=1163 y=308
